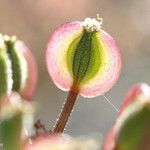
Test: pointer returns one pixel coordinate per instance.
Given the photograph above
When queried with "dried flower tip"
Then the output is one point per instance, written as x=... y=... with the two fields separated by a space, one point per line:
x=10 y=38
x=91 y=25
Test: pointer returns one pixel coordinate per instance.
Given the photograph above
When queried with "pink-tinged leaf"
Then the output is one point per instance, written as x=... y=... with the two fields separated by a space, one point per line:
x=109 y=141
x=48 y=142
x=138 y=90
x=132 y=122
x=31 y=82
x=89 y=75
x=132 y=126
x=130 y=131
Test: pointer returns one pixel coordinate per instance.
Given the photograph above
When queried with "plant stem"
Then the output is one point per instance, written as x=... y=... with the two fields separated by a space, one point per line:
x=65 y=113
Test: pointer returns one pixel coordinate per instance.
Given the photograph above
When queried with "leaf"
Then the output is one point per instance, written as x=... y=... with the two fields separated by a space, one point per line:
x=83 y=58
x=137 y=91
x=133 y=129
x=5 y=71
x=10 y=131
x=16 y=66
x=16 y=119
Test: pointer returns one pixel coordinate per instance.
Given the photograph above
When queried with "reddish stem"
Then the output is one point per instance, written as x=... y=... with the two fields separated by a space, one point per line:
x=65 y=113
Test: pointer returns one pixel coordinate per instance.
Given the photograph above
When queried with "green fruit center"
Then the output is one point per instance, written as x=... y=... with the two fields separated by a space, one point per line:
x=84 y=57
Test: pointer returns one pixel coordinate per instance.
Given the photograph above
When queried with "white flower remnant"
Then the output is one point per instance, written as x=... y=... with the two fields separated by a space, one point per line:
x=91 y=25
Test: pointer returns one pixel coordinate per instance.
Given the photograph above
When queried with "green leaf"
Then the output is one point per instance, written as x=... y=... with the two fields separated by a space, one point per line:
x=5 y=70
x=3 y=76
x=16 y=67
x=134 y=131
x=10 y=131
x=16 y=119
x=83 y=57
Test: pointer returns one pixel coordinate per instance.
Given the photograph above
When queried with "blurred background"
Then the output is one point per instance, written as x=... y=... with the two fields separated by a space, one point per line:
x=128 y=21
